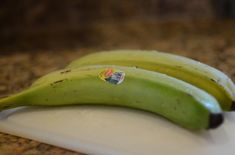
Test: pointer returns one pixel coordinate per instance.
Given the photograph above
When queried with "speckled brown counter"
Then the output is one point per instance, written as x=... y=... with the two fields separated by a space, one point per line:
x=212 y=42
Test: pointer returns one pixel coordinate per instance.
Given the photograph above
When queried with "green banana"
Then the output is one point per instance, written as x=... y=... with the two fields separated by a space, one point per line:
x=201 y=75
x=176 y=100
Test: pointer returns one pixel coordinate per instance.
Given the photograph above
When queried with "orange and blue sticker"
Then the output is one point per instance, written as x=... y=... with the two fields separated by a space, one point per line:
x=112 y=76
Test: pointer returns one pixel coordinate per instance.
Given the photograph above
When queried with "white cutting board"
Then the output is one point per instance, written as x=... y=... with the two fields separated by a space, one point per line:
x=101 y=130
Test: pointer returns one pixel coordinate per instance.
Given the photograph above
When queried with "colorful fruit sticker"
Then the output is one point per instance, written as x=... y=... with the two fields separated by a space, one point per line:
x=112 y=76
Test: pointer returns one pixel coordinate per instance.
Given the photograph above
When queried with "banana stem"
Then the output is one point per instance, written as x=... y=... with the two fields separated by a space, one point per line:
x=5 y=103
x=10 y=102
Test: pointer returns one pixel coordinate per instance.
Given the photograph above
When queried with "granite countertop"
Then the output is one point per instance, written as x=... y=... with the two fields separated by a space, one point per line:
x=211 y=42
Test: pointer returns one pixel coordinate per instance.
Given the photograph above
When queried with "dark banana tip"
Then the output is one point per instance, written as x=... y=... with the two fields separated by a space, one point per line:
x=215 y=120
x=233 y=106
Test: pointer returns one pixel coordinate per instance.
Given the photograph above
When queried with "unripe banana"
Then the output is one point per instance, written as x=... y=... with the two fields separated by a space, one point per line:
x=174 y=99
x=201 y=75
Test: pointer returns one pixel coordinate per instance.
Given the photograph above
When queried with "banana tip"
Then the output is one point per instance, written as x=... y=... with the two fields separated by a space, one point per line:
x=233 y=106
x=215 y=120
